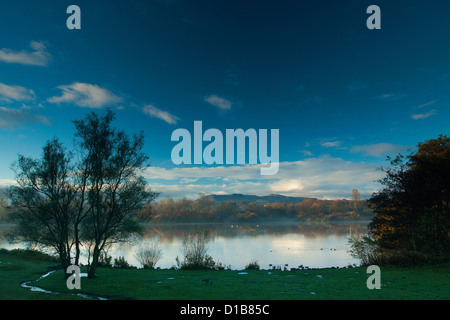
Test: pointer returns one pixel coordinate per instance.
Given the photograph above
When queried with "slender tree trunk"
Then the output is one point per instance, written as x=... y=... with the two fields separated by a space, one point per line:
x=65 y=262
x=77 y=246
x=94 y=264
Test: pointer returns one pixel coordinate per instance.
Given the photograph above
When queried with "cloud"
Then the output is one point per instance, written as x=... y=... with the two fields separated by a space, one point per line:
x=160 y=114
x=38 y=57
x=306 y=153
x=245 y=172
x=7 y=182
x=17 y=93
x=322 y=177
x=391 y=96
x=426 y=104
x=219 y=102
x=386 y=96
x=379 y=149
x=288 y=185
x=330 y=143
x=86 y=95
x=17 y=118
x=418 y=116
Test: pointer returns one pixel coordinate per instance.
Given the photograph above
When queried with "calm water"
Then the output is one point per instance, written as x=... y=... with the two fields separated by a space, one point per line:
x=313 y=245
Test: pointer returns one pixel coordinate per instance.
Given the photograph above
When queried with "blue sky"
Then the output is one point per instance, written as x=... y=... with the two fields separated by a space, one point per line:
x=343 y=96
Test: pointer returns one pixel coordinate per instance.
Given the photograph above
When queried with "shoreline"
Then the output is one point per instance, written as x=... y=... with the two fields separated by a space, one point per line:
x=243 y=223
x=427 y=282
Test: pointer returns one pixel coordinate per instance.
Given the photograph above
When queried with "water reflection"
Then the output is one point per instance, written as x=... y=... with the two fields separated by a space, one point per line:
x=282 y=244
x=314 y=245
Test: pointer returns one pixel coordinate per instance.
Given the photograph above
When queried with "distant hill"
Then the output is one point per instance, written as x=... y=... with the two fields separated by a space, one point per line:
x=237 y=197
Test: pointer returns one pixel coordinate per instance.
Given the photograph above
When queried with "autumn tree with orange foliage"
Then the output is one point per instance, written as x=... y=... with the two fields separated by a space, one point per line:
x=412 y=210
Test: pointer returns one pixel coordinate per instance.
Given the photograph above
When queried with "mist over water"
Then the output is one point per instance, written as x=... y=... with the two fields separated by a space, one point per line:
x=271 y=245
x=282 y=244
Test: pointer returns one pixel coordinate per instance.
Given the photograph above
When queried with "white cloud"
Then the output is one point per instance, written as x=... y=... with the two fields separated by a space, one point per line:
x=320 y=177
x=38 y=57
x=244 y=172
x=330 y=143
x=160 y=114
x=426 y=104
x=287 y=185
x=17 y=118
x=418 y=116
x=379 y=149
x=306 y=153
x=86 y=95
x=219 y=102
x=7 y=182
x=17 y=93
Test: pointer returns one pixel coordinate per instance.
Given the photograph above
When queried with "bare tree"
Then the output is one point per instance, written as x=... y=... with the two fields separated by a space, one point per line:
x=149 y=256
x=356 y=198
x=195 y=252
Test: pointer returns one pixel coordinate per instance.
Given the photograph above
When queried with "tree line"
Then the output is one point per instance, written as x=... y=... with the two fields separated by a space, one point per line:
x=204 y=209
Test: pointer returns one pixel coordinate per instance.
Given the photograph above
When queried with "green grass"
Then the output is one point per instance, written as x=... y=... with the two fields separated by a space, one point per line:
x=424 y=282
x=17 y=266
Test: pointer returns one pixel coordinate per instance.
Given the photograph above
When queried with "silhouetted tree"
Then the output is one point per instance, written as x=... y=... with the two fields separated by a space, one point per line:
x=96 y=197
x=111 y=163
x=43 y=201
x=412 y=210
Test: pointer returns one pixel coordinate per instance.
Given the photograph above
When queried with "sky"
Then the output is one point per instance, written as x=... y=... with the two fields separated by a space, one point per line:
x=343 y=96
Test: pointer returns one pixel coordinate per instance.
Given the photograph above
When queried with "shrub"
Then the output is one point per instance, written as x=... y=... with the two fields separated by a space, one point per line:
x=149 y=256
x=253 y=265
x=366 y=249
x=401 y=258
x=30 y=254
x=120 y=262
x=104 y=260
x=195 y=252
x=363 y=248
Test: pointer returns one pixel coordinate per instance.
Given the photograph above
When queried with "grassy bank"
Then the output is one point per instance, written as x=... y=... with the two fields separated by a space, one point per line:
x=425 y=282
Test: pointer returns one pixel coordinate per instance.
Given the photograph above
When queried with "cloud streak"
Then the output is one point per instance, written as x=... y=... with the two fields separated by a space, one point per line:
x=15 y=93
x=86 y=95
x=160 y=114
x=418 y=116
x=426 y=104
x=39 y=55
x=218 y=102
x=379 y=149
x=330 y=142
x=17 y=118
